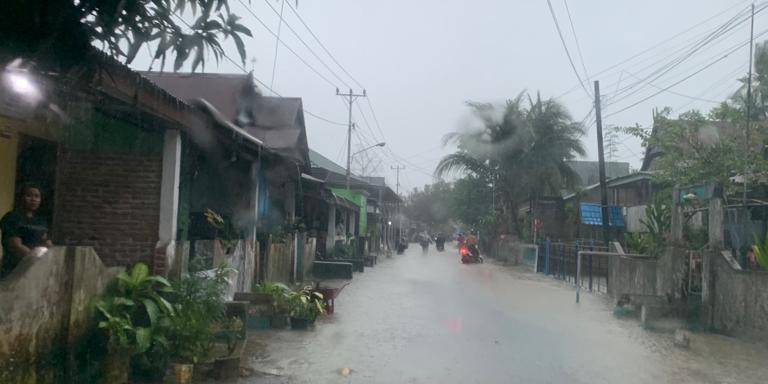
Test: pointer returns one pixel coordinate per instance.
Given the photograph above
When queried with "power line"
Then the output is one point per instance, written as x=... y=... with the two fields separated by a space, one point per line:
x=277 y=45
x=565 y=46
x=280 y=14
x=722 y=30
x=657 y=45
x=375 y=119
x=717 y=85
x=576 y=38
x=263 y=84
x=694 y=98
x=331 y=83
x=323 y=46
x=683 y=79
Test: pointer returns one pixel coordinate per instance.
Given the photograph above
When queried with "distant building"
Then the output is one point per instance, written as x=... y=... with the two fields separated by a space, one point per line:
x=589 y=172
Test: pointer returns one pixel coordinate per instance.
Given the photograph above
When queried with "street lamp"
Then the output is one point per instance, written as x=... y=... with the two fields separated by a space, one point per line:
x=349 y=160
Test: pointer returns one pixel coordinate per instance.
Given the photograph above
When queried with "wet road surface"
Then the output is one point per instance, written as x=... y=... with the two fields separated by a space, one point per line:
x=429 y=319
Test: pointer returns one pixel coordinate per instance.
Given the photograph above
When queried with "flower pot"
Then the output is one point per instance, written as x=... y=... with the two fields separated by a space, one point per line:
x=300 y=323
x=183 y=373
x=116 y=365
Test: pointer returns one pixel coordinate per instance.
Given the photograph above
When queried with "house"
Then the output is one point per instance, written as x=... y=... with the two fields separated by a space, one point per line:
x=279 y=124
x=589 y=171
x=346 y=211
x=124 y=166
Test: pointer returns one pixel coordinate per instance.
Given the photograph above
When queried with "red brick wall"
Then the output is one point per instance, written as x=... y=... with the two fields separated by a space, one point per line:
x=110 y=202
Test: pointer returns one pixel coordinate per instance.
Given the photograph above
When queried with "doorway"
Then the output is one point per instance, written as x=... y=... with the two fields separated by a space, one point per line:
x=36 y=162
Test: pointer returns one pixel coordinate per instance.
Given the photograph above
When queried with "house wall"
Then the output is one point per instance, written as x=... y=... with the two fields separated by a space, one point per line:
x=9 y=142
x=110 y=202
x=46 y=316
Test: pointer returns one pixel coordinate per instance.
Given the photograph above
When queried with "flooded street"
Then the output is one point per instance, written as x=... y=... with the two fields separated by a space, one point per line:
x=429 y=319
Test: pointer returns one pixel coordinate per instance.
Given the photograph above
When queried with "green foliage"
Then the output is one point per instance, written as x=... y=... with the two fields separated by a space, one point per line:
x=306 y=304
x=279 y=293
x=641 y=243
x=199 y=305
x=66 y=30
x=342 y=251
x=760 y=249
x=133 y=311
x=522 y=149
x=430 y=206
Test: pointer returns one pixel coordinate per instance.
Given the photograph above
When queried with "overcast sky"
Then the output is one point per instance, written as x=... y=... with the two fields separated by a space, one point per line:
x=421 y=60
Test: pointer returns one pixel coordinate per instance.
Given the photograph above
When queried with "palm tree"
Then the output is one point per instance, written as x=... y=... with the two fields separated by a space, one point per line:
x=521 y=147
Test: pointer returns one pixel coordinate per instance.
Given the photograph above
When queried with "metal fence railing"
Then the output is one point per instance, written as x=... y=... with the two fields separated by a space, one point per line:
x=560 y=260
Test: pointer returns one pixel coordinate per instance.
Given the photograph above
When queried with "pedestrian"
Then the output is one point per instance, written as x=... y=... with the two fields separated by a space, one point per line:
x=23 y=229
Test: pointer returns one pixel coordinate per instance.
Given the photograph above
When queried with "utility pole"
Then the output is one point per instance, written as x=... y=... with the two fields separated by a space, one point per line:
x=397 y=183
x=350 y=98
x=749 y=104
x=601 y=162
x=397 y=192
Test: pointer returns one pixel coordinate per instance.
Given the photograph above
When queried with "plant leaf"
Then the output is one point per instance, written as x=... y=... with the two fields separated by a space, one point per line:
x=152 y=310
x=143 y=339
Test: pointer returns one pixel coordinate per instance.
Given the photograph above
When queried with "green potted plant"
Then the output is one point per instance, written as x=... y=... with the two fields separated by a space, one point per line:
x=199 y=305
x=305 y=305
x=133 y=315
x=280 y=294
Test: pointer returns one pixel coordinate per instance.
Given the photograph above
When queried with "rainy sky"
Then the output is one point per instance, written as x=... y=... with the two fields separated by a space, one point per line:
x=421 y=60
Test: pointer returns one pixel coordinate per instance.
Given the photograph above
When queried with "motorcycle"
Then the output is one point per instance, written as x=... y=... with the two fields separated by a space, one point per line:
x=470 y=256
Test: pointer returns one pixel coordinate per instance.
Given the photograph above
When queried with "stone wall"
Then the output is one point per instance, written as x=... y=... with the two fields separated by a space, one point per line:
x=46 y=315
x=111 y=203
x=739 y=299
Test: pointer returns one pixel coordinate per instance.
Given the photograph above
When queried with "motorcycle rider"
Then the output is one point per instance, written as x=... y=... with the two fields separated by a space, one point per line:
x=440 y=242
x=472 y=244
x=424 y=241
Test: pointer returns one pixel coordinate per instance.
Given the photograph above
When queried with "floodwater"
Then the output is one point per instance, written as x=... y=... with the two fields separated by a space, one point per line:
x=419 y=318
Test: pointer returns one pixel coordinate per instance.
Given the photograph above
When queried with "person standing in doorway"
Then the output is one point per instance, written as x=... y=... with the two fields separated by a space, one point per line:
x=23 y=229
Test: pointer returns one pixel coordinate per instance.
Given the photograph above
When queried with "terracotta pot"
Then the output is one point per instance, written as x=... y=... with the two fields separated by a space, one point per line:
x=183 y=373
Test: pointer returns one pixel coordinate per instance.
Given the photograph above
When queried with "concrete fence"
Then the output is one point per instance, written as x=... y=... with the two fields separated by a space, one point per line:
x=739 y=298
x=632 y=276
x=46 y=315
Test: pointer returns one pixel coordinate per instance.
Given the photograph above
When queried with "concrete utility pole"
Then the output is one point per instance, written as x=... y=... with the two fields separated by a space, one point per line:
x=397 y=192
x=397 y=178
x=601 y=162
x=350 y=98
x=749 y=103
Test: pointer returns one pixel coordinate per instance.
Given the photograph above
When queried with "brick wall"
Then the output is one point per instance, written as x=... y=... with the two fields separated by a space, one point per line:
x=110 y=202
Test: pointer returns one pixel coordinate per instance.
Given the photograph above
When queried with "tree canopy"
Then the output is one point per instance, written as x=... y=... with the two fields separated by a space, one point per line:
x=521 y=148
x=64 y=31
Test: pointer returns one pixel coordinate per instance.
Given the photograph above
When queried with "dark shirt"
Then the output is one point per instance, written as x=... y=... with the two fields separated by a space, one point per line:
x=33 y=232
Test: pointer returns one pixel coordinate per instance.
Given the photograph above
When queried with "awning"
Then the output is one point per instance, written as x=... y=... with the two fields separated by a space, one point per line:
x=343 y=202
